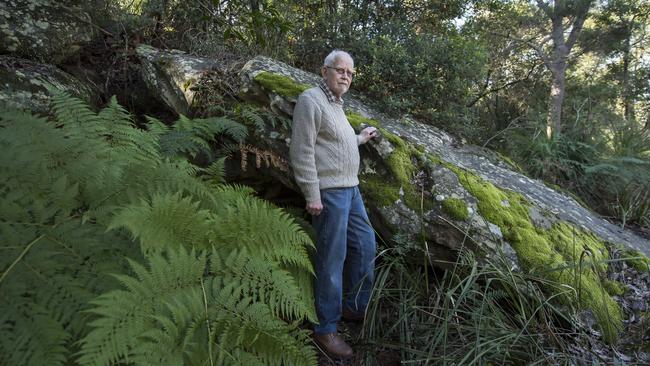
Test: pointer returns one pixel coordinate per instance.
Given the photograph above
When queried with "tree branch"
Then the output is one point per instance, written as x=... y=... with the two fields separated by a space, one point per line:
x=545 y=8
x=577 y=24
x=537 y=48
x=496 y=89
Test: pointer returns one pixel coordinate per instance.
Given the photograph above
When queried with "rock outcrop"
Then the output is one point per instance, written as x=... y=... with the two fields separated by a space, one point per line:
x=415 y=176
x=172 y=76
x=427 y=190
x=25 y=84
x=43 y=30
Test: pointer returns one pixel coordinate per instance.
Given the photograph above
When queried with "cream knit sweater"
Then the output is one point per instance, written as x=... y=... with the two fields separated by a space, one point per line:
x=324 y=148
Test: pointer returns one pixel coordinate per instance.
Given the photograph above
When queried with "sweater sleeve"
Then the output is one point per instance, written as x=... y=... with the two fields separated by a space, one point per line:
x=305 y=126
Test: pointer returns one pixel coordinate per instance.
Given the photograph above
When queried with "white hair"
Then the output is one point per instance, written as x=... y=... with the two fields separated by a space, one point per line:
x=334 y=55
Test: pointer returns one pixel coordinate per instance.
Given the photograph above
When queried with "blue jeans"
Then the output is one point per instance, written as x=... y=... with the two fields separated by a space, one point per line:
x=345 y=256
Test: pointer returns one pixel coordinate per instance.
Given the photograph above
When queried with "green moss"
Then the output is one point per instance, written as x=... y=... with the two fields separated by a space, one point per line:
x=382 y=192
x=637 y=260
x=400 y=164
x=509 y=161
x=456 y=208
x=614 y=288
x=415 y=200
x=280 y=84
x=564 y=254
x=386 y=192
x=356 y=120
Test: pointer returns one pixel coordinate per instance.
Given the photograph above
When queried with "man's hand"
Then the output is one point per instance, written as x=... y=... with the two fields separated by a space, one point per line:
x=314 y=208
x=367 y=134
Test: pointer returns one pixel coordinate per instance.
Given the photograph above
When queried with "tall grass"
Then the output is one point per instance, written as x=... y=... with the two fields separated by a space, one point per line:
x=475 y=313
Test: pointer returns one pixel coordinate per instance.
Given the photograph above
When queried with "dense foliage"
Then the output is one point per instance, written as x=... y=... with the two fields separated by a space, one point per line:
x=117 y=250
x=483 y=69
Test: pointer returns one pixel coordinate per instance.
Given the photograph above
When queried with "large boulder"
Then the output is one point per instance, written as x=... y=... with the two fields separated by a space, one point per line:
x=418 y=181
x=428 y=191
x=173 y=76
x=45 y=30
x=27 y=84
x=439 y=168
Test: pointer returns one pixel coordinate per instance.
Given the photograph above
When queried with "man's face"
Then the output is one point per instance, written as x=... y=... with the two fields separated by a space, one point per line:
x=339 y=76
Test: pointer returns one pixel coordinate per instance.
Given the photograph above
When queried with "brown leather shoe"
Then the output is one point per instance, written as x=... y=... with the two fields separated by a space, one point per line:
x=333 y=345
x=351 y=316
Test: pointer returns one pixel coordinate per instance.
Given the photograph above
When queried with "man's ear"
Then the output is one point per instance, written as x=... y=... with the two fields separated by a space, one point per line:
x=323 y=71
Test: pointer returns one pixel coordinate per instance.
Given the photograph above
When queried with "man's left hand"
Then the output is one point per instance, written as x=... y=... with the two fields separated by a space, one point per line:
x=367 y=134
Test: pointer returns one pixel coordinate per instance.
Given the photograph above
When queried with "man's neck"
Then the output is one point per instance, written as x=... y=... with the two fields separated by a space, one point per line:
x=328 y=92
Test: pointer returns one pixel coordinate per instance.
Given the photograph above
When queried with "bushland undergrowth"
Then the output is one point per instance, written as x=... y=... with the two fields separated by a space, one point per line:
x=479 y=312
x=117 y=250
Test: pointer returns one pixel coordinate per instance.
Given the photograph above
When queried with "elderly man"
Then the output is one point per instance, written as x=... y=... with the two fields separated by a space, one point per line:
x=325 y=158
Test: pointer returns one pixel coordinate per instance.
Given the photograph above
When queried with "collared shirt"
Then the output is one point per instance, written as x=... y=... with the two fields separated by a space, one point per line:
x=328 y=93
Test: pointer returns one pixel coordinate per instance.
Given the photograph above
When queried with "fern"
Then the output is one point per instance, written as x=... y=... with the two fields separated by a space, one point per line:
x=163 y=314
x=86 y=195
x=191 y=137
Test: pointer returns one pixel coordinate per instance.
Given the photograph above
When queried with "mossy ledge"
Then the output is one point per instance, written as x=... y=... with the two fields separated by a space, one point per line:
x=400 y=163
x=563 y=254
x=636 y=260
x=280 y=84
x=456 y=208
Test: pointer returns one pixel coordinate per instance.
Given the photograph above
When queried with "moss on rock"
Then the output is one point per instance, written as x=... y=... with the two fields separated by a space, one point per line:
x=382 y=192
x=614 y=288
x=357 y=120
x=637 y=260
x=280 y=84
x=564 y=254
x=456 y=208
x=399 y=162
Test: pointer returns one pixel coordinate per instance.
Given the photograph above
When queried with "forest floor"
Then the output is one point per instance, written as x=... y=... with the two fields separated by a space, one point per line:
x=352 y=333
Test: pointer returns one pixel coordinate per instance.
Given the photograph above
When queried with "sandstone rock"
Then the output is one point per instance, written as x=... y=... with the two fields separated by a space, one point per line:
x=172 y=75
x=431 y=159
x=24 y=84
x=426 y=191
x=43 y=30
x=546 y=206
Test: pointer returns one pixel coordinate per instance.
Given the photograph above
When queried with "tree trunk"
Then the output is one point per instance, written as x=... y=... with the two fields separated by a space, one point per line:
x=556 y=100
x=557 y=62
x=628 y=105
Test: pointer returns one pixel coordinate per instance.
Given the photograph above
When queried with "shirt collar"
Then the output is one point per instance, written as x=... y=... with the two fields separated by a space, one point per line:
x=328 y=93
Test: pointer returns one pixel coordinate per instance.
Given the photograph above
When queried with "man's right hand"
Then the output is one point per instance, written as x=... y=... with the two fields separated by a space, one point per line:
x=314 y=207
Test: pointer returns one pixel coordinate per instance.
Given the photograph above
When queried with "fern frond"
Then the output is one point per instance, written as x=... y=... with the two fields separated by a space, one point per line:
x=124 y=138
x=35 y=340
x=215 y=173
x=256 y=331
x=66 y=181
x=162 y=317
x=165 y=221
x=265 y=282
x=194 y=136
x=251 y=116
x=254 y=224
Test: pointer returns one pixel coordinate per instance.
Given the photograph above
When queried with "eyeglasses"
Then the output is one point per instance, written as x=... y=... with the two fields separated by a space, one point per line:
x=342 y=71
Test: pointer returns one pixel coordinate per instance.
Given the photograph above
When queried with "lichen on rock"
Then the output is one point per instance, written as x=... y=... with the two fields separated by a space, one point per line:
x=26 y=84
x=43 y=30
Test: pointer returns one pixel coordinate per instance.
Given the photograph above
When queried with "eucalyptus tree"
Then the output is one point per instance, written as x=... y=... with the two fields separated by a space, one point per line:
x=621 y=30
